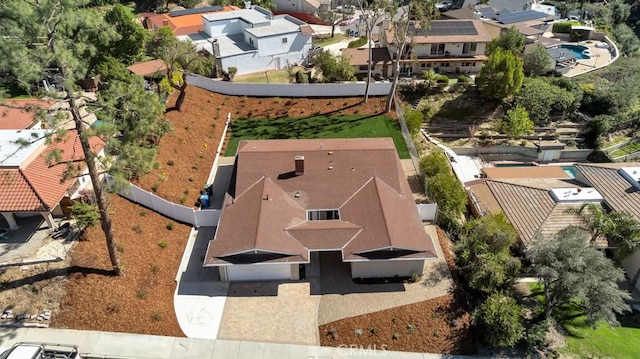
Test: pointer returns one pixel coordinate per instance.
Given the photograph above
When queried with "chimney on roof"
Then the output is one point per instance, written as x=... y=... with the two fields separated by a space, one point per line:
x=247 y=4
x=165 y=22
x=299 y=165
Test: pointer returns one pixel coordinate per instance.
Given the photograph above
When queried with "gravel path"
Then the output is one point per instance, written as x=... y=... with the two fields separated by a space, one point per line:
x=436 y=282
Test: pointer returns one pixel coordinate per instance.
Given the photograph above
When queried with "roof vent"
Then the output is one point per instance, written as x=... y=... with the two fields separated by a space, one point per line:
x=632 y=175
x=299 y=161
x=297 y=194
x=576 y=195
x=330 y=153
x=330 y=168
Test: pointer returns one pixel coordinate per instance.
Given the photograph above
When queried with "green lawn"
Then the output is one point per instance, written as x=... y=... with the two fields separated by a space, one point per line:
x=351 y=126
x=329 y=40
x=275 y=77
x=628 y=149
x=605 y=341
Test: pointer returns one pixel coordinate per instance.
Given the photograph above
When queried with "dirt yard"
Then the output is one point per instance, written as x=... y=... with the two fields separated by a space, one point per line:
x=440 y=325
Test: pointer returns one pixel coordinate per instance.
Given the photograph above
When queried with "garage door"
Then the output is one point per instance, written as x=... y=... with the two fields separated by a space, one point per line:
x=259 y=272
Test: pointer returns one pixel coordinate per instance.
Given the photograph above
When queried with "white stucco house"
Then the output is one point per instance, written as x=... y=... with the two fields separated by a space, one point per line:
x=253 y=39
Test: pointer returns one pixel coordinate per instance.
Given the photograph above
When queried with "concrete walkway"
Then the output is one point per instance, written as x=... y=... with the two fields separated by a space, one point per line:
x=135 y=346
x=200 y=297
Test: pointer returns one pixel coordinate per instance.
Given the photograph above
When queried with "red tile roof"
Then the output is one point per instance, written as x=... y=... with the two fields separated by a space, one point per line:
x=23 y=117
x=37 y=186
x=180 y=25
x=361 y=178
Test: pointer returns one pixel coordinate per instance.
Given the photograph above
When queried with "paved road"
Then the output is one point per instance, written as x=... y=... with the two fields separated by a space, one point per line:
x=134 y=346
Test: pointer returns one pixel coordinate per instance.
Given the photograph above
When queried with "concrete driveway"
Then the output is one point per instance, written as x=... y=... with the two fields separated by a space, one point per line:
x=271 y=312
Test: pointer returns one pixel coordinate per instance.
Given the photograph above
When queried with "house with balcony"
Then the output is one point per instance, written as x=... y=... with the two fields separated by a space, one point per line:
x=446 y=46
x=253 y=39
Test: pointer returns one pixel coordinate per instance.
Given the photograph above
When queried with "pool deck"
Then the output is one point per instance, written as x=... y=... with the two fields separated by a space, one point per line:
x=599 y=58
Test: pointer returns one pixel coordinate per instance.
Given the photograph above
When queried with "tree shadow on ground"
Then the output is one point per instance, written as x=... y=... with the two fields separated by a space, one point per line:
x=50 y=274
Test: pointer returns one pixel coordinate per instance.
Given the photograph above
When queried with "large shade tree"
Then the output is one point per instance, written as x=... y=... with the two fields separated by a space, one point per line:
x=575 y=273
x=501 y=75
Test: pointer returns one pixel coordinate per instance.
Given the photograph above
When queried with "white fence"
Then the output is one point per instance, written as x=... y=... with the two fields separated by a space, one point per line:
x=428 y=211
x=197 y=218
x=349 y=89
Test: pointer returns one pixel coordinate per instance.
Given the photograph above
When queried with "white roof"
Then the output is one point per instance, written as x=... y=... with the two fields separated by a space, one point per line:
x=632 y=175
x=12 y=153
x=249 y=15
x=576 y=195
x=279 y=25
x=24 y=351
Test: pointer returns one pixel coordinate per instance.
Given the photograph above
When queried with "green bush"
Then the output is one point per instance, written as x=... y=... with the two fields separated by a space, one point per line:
x=442 y=79
x=302 y=77
x=464 y=79
x=413 y=119
x=357 y=43
x=564 y=27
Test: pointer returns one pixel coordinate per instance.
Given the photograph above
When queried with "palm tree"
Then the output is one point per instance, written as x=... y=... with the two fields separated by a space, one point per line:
x=594 y=218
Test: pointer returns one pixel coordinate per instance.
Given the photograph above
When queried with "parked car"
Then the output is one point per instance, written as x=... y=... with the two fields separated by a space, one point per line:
x=26 y=350
x=348 y=21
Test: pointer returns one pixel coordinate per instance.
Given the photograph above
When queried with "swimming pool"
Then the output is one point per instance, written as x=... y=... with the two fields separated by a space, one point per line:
x=578 y=51
x=571 y=171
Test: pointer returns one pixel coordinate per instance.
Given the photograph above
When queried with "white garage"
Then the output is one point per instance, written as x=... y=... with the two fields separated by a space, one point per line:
x=386 y=268
x=256 y=272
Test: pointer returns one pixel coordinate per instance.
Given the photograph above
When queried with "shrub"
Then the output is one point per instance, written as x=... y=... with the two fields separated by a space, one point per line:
x=436 y=333
x=143 y=213
x=155 y=187
x=155 y=269
x=183 y=199
x=302 y=77
x=373 y=330
x=396 y=336
x=120 y=249
x=357 y=43
x=413 y=119
x=141 y=293
x=464 y=79
x=170 y=226
x=411 y=328
x=415 y=277
x=564 y=27
x=137 y=228
x=358 y=331
x=441 y=79
x=156 y=316
x=163 y=177
x=163 y=244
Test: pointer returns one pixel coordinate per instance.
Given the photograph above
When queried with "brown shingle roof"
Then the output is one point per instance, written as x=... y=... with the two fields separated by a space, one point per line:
x=148 y=68
x=532 y=209
x=12 y=118
x=360 y=56
x=362 y=178
x=36 y=186
x=618 y=193
x=181 y=25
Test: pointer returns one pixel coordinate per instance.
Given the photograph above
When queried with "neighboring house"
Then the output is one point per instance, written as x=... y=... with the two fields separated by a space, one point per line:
x=301 y=6
x=619 y=184
x=149 y=69
x=534 y=199
x=253 y=40
x=292 y=200
x=182 y=22
x=22 y=114
x=29 y=185
x=446 y=46
x=380 y=59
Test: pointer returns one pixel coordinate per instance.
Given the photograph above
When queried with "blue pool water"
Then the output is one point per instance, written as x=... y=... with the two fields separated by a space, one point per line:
x=571 y=171
x=577 y=51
